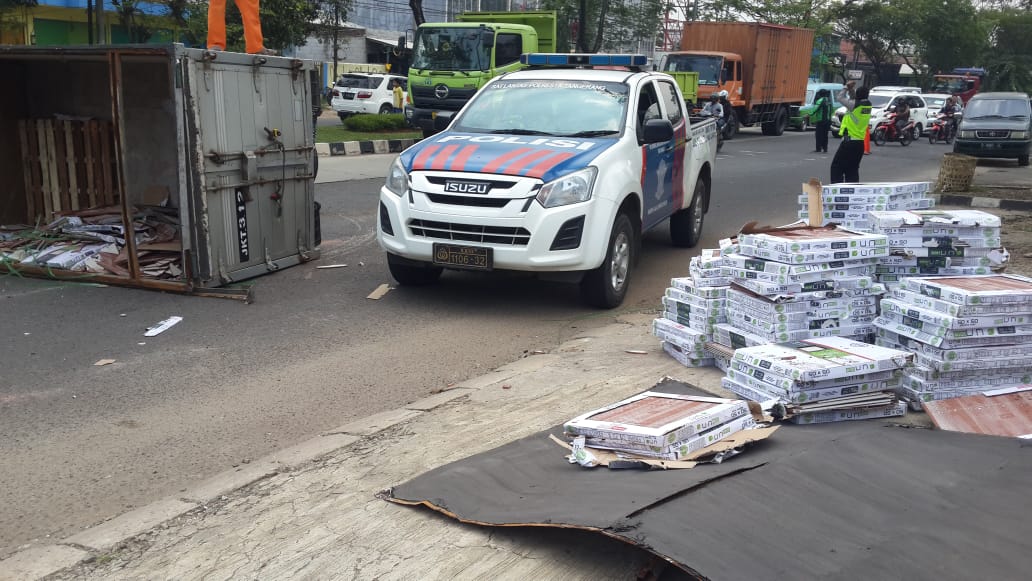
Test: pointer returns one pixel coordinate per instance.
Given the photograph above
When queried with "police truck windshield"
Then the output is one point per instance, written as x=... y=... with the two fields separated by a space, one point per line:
x=450 y=49
x=547 y=107
x=707 y=66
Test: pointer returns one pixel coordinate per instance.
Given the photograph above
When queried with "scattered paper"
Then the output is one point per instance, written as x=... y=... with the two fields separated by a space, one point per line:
x=104 y=362
x=379 y=292
x=332 y=266
x=581 y=455
x=162 y=326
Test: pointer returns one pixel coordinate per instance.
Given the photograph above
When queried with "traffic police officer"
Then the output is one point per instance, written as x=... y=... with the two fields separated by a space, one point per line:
x=845 y=166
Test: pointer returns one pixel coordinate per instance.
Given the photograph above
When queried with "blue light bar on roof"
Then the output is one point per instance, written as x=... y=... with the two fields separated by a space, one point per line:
x=539 y=59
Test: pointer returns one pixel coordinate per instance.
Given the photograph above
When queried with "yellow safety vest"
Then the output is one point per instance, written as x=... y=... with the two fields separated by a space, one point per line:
x=856 y=122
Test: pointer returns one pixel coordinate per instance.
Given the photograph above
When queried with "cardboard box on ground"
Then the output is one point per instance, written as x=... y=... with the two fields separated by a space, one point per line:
x=820 y=282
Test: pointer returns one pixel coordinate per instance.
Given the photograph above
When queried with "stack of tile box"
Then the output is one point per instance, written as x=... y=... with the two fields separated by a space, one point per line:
x=661 y=425
x=969 y=334
x=848 y=204
x=799 y=282
x=691 y=307
x=820 y=380
x=943 y=243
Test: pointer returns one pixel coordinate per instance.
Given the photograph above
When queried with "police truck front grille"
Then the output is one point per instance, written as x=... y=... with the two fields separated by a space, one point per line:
x=993 y=134
x=470 y=232
x=479 y=201
x=569 y=236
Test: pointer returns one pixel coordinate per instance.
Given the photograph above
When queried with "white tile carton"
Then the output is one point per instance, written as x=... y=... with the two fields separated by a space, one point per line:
x=688 y=285
x=926 y=302
x=793 y=395
x=710 y=306
x=894 y=410
x=805 y=239
x=745 y=391
x=952 y=355
x=743 y=262
x=789 y=384
x=984 y=383
x=944 y=320
x=735 y=338
x=975 y=290
x=947 y=218
x=813 y=256
x=972 y=365
x=657 y=419
x=685 y=357
x=874 y=188
x=674 y=332
x=821 y=359
x=678 y=450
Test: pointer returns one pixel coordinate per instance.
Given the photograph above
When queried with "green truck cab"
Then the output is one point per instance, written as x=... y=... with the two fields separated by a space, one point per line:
x=688 y=82
x=452 y=60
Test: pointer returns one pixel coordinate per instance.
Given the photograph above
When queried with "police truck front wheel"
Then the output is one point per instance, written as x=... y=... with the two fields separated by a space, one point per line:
x=606 y=286
x=686 y=225
x=412 y=272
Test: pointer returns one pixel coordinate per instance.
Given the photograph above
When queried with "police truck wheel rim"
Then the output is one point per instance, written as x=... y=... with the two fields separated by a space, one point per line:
x=620 y=263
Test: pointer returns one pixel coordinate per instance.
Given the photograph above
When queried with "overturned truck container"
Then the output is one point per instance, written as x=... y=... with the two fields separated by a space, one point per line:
x=157 y=167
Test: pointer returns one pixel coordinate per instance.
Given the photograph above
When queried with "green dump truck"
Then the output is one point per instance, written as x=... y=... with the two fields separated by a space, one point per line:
x=452 y=60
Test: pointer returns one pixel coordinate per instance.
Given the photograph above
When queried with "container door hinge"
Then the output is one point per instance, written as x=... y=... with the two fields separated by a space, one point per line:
x=249 y=168
x=302 y=249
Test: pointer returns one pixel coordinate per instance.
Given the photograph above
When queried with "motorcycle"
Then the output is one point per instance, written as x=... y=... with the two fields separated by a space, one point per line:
x=886 y=131
x=942 y=128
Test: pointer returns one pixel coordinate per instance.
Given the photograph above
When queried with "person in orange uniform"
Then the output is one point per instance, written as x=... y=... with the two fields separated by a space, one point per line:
x=253 y=40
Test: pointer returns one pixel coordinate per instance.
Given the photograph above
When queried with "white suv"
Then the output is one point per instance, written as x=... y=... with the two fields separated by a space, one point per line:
x=365 y=93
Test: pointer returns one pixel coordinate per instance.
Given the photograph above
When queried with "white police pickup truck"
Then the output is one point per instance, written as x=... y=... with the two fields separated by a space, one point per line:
x=557 y=168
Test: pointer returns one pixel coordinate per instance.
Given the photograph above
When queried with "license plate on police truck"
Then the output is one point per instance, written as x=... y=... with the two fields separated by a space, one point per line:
x=469 y=257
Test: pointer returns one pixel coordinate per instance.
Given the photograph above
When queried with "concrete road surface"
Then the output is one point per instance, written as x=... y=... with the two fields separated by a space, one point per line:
x=79 y=443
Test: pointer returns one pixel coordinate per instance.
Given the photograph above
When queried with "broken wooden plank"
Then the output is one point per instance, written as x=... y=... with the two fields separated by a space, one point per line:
x=379 y=292
x=41 y=147
x=89 y=142
x=27 y=170
x=73 y=155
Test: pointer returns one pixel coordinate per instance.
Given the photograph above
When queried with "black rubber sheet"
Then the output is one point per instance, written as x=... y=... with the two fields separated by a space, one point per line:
x=864 y=499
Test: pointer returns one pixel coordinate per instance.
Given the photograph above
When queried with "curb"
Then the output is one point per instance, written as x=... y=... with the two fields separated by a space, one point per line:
x=982 y=202
x=41 y=561
x=336 y=148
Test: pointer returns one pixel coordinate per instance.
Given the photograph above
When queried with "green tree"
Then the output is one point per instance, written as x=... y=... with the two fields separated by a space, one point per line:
x=332 y=15
x=10 y=10
x=947 y=33
x=878 y=31
x=1008 y=58
x=134 y=20
x=611 y=25
x=285 y=23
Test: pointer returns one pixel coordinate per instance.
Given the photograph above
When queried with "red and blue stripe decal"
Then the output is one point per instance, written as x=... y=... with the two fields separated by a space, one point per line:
x=542 y=158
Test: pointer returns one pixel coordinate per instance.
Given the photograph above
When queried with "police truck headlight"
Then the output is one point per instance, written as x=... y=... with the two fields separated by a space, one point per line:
x=967 y=134
x=569 y=189
x=1019 y=134
x=397 y=178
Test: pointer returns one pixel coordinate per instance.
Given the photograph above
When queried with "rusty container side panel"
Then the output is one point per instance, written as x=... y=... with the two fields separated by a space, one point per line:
x=775 y=59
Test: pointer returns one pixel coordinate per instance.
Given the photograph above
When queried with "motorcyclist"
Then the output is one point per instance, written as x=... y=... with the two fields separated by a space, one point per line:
x=902 y=116
x=949 y=111
x=713 y=108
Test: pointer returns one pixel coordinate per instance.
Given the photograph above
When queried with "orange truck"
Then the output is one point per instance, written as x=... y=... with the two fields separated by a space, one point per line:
x=763 y=67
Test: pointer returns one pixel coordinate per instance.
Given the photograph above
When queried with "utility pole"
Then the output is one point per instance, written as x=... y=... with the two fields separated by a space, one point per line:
x=101 y=37
x=89 y=21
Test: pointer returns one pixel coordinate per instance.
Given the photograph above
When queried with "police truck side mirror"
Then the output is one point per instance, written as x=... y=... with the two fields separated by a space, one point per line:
x=441 y=121
x=658 y=131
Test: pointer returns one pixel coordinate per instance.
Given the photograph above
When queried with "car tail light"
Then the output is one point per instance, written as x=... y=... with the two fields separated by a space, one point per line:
x=364 y=94
x=336 y=93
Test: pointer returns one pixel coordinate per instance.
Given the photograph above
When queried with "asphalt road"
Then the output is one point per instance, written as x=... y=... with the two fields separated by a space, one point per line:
x=232 y=382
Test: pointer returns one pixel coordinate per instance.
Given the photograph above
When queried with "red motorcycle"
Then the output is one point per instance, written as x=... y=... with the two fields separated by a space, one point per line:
x=886 y=131
x=942 y=128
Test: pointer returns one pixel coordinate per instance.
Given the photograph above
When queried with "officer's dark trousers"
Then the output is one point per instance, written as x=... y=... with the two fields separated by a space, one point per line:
x=821 y=134
x=845 y=166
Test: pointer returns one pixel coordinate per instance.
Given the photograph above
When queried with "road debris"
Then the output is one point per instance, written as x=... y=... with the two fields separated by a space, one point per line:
x=326 y=266
x=162 y=326
x=103 y=362
x=379 y=292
